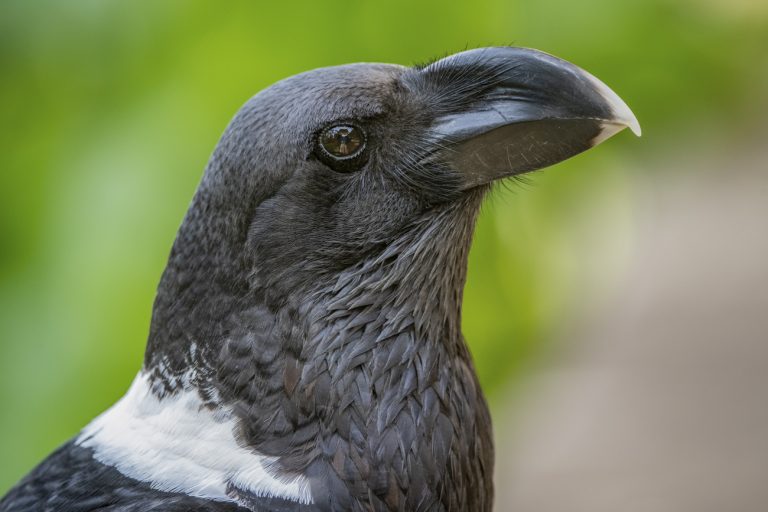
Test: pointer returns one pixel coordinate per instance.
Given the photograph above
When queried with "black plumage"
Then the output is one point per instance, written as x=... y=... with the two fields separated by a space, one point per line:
x=319 y=297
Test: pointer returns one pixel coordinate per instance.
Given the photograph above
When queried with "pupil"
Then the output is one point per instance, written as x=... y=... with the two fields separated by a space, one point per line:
x=341 y=141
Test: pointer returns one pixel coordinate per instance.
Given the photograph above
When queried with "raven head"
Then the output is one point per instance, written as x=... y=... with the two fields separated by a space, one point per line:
x=326 y=168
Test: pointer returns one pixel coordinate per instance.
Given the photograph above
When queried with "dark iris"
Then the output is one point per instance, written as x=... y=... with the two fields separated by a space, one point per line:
x=342 y=141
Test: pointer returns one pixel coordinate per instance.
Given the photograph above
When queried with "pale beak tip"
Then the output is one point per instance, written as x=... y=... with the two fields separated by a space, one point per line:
x=622 y=114
x=634 y=125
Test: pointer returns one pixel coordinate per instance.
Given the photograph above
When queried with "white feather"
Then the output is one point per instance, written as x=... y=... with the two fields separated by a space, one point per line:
x=178 y=445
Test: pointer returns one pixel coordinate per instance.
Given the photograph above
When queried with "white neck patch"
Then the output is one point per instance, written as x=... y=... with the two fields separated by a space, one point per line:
x=178 y=445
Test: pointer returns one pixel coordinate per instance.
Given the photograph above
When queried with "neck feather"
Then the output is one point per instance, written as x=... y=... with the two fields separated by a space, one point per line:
x=344 y=381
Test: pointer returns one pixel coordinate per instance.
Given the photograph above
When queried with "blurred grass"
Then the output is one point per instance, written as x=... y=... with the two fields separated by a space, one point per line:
x=109 y=110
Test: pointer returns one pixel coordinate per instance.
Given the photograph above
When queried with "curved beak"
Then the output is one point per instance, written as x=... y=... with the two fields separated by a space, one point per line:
x=513 y=110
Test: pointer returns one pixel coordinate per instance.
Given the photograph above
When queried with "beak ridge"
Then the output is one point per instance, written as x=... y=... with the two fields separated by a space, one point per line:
x=515 y=110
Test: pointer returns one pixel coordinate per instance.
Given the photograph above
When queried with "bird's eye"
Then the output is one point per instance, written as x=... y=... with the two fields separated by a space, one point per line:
x=341 y=146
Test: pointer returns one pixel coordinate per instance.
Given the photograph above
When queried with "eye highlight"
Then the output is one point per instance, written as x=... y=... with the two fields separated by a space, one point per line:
x=341 y=147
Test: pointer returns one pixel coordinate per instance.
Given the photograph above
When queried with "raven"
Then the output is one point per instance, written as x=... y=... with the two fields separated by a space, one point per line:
x=305 y=350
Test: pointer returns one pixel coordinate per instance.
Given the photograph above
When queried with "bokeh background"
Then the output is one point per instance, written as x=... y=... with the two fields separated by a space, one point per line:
x=616 y=304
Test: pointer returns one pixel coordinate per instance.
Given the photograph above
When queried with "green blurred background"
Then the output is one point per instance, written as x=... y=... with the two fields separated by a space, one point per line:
x=109 y=111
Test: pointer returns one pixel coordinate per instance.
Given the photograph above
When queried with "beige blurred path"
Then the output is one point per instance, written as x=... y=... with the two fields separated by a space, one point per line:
x=660 y=402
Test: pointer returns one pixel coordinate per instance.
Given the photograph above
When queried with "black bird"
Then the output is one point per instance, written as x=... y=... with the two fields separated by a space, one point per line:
x=305 y=351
